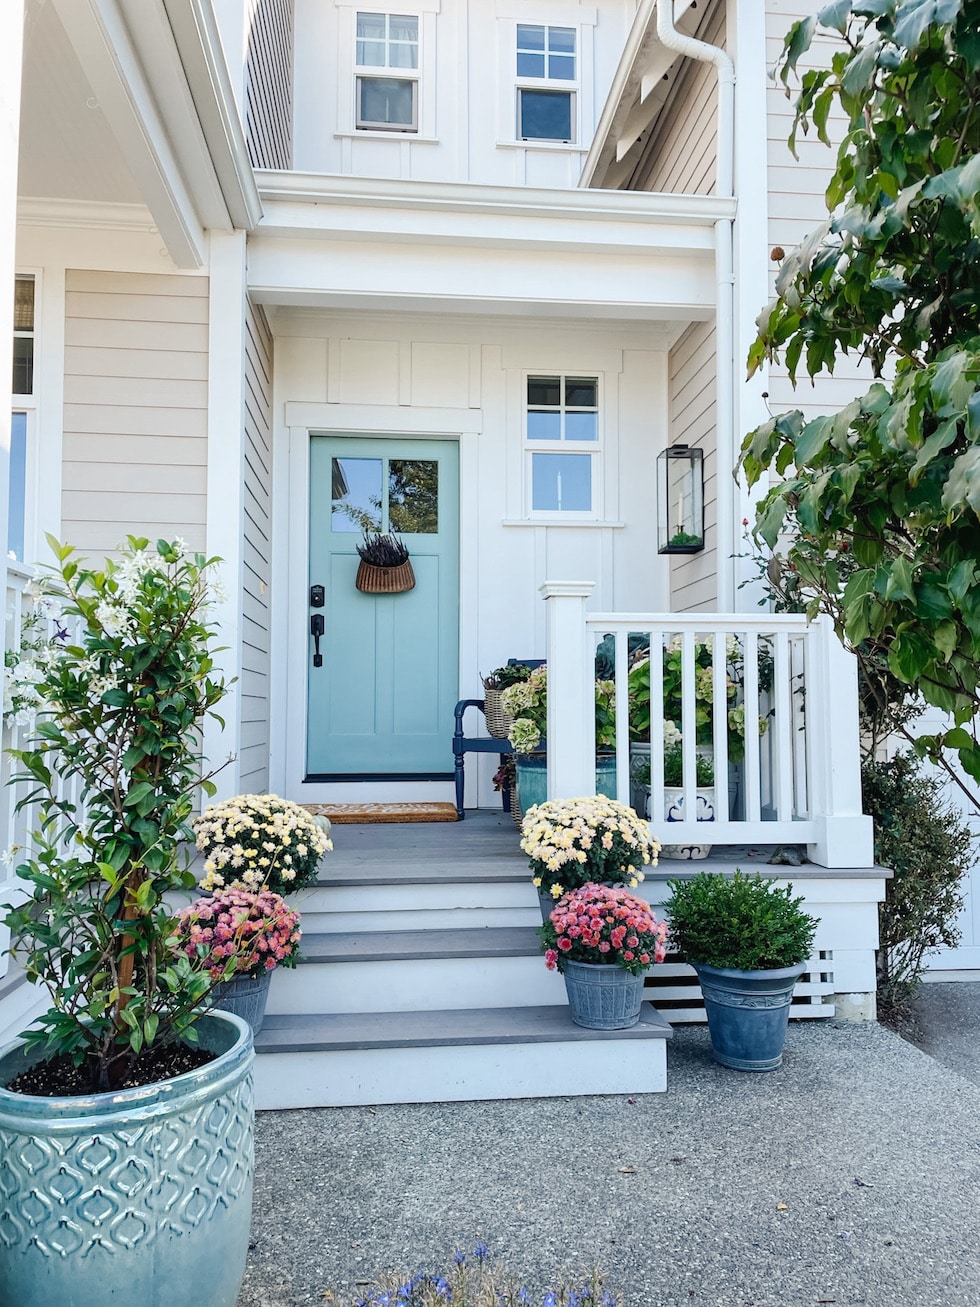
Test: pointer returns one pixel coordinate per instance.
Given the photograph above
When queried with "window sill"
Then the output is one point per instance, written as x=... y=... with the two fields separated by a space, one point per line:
x=586 y=522
x=368 y=134
x=560 y=147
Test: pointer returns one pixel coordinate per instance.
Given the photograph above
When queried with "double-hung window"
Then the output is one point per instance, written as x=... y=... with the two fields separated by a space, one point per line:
x=562 y=443
x=546 y=83
x=23 y=391
x=387 y=77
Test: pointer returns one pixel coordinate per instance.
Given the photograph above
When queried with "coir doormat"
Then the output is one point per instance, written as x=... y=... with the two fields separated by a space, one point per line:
x=348 y=813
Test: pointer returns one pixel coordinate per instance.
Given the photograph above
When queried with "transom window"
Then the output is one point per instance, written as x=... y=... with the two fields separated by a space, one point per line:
x=546 y=55
x=386 y=85
x=562 y=443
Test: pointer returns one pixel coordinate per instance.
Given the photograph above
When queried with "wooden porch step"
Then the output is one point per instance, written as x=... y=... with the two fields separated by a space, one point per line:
x=337 y=1060
x=415 y=945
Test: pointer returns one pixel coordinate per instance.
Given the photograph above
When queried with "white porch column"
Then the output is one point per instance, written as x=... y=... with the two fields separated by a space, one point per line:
x=846 y=837
x=571 y=690
x=226 y=481
x=11 y=67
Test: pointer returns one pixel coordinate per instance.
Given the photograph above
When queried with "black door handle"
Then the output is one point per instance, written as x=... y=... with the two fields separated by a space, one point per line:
x=316 y=630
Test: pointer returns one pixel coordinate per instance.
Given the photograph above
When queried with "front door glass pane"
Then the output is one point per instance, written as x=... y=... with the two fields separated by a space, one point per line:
x=356 y=492
x=413 y=495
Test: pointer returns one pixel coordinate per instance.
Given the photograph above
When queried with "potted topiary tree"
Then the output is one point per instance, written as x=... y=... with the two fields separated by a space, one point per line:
x=126 y=1110
x=748 y=939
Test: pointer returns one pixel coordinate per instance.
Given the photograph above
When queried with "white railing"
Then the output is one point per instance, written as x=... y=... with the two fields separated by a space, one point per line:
x=795 y=778
x=13 y=824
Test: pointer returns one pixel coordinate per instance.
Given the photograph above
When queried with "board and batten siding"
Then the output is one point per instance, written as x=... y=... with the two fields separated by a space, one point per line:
x=693 y=415
x=135 y=409
x=257 y=554
x=269 y=83
x=680 y=157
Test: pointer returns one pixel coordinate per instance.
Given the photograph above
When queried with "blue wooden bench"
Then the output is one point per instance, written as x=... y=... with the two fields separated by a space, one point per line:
x=464 y=744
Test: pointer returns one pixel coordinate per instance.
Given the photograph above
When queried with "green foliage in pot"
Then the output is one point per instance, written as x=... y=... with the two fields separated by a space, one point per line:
x=115 y=770
x=674 y=768
x=929 y=850
x=502 y=677
x=742 y=922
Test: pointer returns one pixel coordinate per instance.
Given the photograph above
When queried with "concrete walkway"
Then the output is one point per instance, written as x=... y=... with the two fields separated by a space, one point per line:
x=849 y=1177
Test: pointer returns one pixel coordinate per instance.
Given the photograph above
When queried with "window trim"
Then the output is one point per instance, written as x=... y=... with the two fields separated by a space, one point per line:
x=595 y=449
x=558 y=86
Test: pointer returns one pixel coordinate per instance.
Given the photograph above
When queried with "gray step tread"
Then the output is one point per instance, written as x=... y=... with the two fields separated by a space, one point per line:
x=333 y=1032
x=368 y=872
x=411 y=945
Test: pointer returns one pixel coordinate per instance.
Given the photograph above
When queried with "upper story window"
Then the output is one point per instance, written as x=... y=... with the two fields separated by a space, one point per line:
x=546 y=83
x=23 y=380
x=562 y=443
x=387 y=82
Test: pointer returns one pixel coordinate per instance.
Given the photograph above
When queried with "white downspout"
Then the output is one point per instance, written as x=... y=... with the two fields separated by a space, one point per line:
x=669 y=36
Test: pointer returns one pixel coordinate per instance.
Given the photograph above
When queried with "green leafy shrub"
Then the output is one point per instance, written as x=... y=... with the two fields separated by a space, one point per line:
x=928 y=848
x=742 y=922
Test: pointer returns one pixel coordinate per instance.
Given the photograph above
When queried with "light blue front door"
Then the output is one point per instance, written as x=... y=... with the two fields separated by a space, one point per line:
x=381 y=705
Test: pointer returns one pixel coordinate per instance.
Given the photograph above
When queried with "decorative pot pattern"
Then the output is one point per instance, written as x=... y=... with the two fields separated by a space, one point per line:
x=748 y=1013
x=602 y=997
x=144 y=1194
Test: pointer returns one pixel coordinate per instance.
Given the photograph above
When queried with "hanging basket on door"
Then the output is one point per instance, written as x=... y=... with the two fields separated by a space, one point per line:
x=385 y=567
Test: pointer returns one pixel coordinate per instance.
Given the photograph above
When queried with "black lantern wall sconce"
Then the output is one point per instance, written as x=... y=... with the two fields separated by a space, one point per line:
x=680 y=500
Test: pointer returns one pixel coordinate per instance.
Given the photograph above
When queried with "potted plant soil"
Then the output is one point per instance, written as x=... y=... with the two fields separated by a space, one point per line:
x=748 y=939
x=575 y=842
x=385 y=567
x=126 y=1109
x=603 y=940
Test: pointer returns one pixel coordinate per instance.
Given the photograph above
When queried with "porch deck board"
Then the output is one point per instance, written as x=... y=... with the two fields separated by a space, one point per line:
x=445 y=1029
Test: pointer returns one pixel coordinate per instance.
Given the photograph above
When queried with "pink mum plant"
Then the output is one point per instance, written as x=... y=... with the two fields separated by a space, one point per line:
x=603 y=924
x=259 y=931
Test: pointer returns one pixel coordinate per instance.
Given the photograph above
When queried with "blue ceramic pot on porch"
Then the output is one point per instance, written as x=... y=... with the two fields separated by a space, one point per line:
x=748 y=1014
x=532 y=778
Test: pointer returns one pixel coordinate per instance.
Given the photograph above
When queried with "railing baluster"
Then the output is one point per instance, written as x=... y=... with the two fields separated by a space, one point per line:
x=719 y=720
x=750 y=656
x=689 y=729
x=783 y=756
x=622 y=716
x=657 y=809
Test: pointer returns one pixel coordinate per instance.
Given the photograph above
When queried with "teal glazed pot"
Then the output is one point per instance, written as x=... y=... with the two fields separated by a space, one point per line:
x=748 y=1014
x=140 y=1197
x=532 y=778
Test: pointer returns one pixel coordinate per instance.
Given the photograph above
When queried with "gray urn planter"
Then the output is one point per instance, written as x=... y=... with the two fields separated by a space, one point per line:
x=748 y=1014
x=246 y=996
x=602 y=996
x=142 y=1196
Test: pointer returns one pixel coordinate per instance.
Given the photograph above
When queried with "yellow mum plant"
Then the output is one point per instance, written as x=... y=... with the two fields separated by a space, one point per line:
x=259 y=841
x=574 y=842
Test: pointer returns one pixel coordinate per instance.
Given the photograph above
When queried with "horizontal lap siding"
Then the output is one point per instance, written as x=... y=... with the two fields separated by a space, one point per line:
x=256 y=570
x=680 y=157
x=135 y=414
x=692 y=391
x=797 y=206
x=269 y=83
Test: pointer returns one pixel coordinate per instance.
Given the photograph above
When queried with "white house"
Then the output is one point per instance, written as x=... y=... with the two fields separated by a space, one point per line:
x=463 y=268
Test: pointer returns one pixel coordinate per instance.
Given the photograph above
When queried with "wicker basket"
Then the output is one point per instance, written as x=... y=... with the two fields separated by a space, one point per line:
x=385 y=580
x=498 y=721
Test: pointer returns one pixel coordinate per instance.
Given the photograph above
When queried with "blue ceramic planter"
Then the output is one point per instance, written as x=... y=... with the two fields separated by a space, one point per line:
x=142 y=1196
x=748 y=1013
x=532 y=779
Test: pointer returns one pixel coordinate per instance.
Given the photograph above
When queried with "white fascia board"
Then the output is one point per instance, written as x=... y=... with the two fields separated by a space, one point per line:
x=195 y=30
x=106 y=53
x=642 y=65
x=342 y=209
